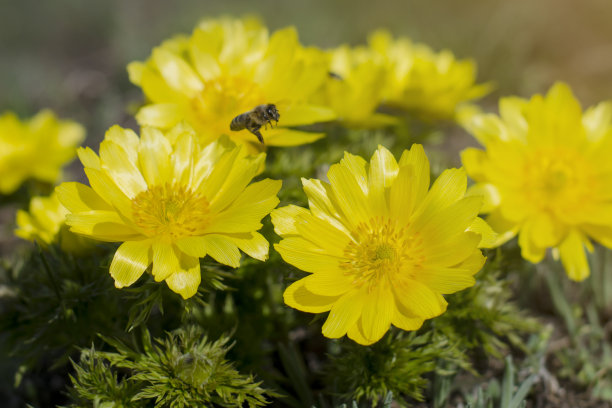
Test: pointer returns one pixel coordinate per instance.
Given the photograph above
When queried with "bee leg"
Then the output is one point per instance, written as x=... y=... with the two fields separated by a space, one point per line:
x=259 y=136
x=255 y=130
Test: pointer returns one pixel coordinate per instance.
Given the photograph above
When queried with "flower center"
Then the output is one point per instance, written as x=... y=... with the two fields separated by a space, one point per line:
x=381 y=250
x=170 y=210
x=558 y=180
x=222 y=100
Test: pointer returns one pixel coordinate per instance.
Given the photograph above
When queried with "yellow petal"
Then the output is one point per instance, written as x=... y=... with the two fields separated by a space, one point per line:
x=573 y=257
x=451 y=251
x=448 y=188
x=505 y=229
x=284 y=219
x=222 y=249
x=182 y=160
x=322 y=234
x=192 y=246
x=165 y=260
x=600 y=233
x=88 y=158
x=529 y=250
x=289 y=137
x=154 y=156
x=127 y=139
x=253 y=244
x=296 y=115
x=245 y=213
x=186 y=280
x=328 y=283
x=382 y=172
x=356 y=165
x=319 y=201
x=300 y=298
x=212 y=184
x=177 y=73
x=473 y=263
x=596 y=121
x=130 y=261
x=355 y=333
x=101 y=225
x=77 y=197
x=404 y=322
x=446 y=280
x=205 y=63
x=488 y=237
x=418 y=162
x=306 y=256
x=348 y=195
x=344 y=313
x=417 y=299
x=125 y=174
x=159 y=115
x=474 y=161
x=401 y=196
x=106 y=188
x=546 y=231
x=447 y=222
x=236 y=181
x=490 y=194
x=378 y=312
x=135 y=70
x=157 y=90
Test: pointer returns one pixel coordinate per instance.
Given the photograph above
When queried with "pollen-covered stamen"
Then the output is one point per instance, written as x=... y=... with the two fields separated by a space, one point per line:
x=381 y=249
x=170 y=210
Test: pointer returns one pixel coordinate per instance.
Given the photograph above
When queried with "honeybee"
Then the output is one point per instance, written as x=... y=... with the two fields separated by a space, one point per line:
x=334 y=75
x=253 y=120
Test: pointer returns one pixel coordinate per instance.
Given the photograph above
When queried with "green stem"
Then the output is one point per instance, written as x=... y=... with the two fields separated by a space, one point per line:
x=47 y=268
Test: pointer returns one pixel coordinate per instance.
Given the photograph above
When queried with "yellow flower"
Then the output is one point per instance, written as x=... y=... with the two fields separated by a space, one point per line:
x=546 y=174
x=353 y=88
x=36 y=148
x=45 y=223
x=228 y=67
x=432 y=85
x=382 y=248
x=170 y=202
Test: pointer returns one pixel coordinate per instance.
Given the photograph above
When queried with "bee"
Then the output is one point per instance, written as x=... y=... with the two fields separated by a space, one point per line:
x=334 y=75
x=253 y=120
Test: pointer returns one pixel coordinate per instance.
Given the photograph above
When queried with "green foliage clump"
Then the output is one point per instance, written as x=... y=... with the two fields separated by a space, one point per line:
x=183 y=370
x=587 y=361
x=504 y=395
x=484 y=319
x=397 y=363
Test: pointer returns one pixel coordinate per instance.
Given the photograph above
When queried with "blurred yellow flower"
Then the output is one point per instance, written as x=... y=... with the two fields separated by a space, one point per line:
x=170 y=202
x=353 y=87
x=228 y=67
x=431 y=85
x=546 y=174
x=36 y=148
x=45 y=223
x=381 y=246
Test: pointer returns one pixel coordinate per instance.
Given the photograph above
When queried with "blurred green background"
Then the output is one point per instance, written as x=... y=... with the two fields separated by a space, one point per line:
x=70 y=55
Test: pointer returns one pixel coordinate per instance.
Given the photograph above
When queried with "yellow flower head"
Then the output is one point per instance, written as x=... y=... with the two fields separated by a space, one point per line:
x=382 y=248
x=226 y=68
x=170 y=202
x=432 y=85
x=353 y=87
x=36 y=148
x=547 y=174
x=45 y=223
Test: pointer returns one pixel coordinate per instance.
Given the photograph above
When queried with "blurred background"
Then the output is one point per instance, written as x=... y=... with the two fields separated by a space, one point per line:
x=70 y=55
